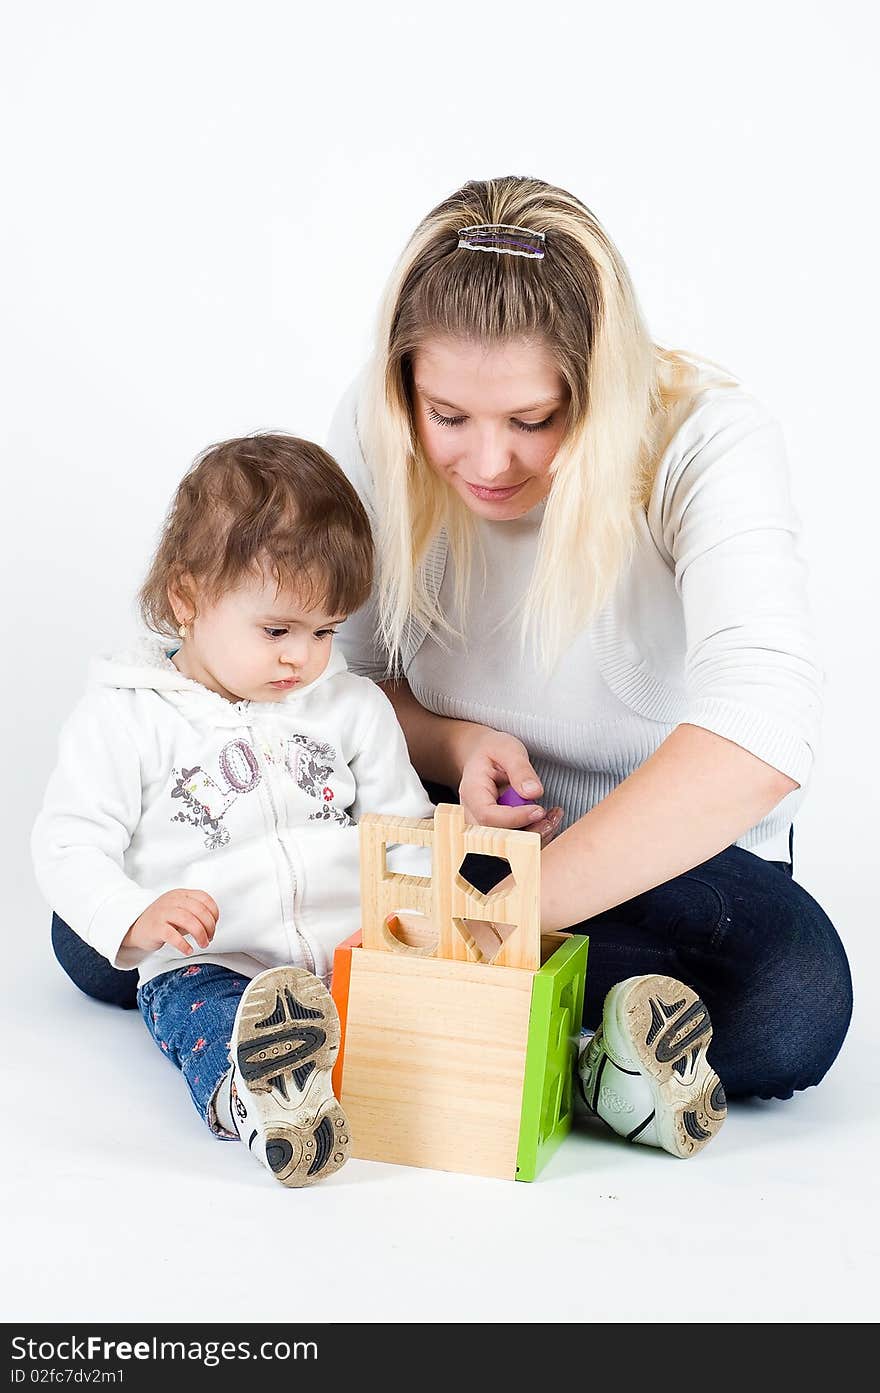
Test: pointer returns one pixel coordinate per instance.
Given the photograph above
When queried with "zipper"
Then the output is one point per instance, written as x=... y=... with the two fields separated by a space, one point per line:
x=307 y=952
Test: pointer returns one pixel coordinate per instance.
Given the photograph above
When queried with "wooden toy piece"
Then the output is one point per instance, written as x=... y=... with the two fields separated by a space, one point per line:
x=382 y=893
x=455 y=901
x=456 y=1054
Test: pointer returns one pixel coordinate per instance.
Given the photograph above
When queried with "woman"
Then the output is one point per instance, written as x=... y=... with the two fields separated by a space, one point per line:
x=589 y=590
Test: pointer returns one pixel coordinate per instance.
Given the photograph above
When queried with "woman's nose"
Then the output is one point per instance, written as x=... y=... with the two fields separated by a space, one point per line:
x=490 y=460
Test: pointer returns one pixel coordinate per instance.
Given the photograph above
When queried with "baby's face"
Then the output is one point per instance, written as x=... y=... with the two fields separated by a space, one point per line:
x=257 y=643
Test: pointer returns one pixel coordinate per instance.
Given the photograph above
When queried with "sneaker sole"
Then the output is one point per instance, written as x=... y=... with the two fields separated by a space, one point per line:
x=663 y=1026
x=284 y=1047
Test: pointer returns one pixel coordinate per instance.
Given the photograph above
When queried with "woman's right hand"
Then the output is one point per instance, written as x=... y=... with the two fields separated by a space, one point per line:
x=168 y=919
x=494 y=761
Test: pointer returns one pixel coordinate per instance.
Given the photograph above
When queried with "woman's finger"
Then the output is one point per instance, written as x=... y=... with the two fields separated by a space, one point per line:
x=488 y=813
x=521 y=777
x=548 y=827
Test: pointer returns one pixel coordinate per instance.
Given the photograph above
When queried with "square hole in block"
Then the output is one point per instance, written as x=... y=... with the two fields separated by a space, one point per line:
x=402 y=858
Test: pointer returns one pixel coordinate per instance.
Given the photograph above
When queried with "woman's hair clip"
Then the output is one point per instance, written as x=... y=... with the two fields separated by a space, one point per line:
x=503 y=238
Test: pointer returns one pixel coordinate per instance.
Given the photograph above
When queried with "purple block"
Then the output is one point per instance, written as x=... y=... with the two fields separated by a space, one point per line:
x=511 y=799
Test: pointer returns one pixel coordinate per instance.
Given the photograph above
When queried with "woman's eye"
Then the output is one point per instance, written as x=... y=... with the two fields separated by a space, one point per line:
x=275 y=633
x=533 y=425
x=444 y=420
x=528 y=426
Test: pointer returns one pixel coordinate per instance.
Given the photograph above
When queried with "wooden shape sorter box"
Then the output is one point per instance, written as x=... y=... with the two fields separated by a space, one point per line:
x=459 y=1019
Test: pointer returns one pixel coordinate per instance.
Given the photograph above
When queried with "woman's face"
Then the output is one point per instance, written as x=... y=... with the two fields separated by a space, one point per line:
x=490 y=419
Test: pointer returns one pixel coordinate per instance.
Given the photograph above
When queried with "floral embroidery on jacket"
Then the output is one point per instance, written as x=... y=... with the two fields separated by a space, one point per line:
x=206 y=800
x=313 y=768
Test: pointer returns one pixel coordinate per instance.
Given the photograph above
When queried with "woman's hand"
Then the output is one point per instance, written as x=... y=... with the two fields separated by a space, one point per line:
x=494 y=761
x=168 y=919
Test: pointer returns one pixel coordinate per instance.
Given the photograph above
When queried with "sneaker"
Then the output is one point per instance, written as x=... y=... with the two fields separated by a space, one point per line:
x=645 y=1072
x=284 y=1044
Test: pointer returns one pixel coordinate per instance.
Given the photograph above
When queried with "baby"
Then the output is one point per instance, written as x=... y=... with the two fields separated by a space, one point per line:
x=201 y=823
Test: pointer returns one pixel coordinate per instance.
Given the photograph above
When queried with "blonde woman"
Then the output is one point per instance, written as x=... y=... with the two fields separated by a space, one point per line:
x=589 y=594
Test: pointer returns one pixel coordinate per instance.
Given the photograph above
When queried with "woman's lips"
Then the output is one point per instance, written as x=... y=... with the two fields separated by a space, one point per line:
x=494 y=495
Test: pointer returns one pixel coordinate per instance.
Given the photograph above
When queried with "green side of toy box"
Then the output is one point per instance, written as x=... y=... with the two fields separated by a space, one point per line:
x=554 y=1026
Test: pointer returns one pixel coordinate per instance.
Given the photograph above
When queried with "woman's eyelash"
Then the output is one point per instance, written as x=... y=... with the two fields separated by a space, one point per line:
x=528 y=426
x=444 y=420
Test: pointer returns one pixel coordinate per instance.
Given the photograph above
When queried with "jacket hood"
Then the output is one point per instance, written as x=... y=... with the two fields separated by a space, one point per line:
x=147 y=664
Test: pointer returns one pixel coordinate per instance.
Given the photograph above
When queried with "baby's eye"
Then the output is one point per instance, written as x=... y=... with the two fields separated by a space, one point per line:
x=324 y=633
x=275 y=633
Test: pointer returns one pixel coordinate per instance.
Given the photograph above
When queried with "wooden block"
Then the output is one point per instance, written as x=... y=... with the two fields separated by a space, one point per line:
x=434 y=1062
x=383 y=893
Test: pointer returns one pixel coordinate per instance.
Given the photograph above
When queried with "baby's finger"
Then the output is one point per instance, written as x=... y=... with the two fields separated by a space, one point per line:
x=205 y=899
x=187 y=922
x=202 y=913
x=176 y=940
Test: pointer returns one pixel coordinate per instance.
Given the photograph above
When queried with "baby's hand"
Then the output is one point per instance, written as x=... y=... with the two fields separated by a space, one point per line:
x=166 y=920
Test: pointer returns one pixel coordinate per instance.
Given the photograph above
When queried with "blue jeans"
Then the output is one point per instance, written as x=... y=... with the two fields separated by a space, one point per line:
x=760 y=951
x=190 y=1013
x=757 y=947
x=89 y=971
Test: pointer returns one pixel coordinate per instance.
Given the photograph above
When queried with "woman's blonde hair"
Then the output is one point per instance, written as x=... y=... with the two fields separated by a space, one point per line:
x=627 y=396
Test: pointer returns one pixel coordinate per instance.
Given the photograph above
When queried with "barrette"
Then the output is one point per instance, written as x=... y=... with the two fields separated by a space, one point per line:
x=504 y=238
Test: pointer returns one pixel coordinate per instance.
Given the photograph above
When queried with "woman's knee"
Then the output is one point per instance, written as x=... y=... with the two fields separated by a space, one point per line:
x=821 y=991
x=799 y=1000
x=89 y=971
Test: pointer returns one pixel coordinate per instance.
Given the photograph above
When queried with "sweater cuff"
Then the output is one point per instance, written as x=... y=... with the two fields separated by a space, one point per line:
x=776 y=744
x=112 y=921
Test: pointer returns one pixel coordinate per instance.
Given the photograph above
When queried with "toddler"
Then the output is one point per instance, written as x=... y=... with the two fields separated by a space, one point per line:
x=201 y=821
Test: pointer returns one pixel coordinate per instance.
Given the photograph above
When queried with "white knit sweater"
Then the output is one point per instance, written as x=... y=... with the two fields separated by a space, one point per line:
x=709 y=625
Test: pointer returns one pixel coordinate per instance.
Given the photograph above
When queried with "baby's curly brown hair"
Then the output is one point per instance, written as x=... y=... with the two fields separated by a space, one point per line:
x=269 y=503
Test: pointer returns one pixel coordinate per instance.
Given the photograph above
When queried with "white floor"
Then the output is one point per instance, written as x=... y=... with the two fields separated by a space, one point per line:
x=120 y=1206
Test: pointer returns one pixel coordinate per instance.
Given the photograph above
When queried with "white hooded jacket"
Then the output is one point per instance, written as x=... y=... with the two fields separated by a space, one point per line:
x=162 y=784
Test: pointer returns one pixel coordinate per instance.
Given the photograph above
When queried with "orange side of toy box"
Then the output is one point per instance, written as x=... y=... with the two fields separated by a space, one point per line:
x=339 y=991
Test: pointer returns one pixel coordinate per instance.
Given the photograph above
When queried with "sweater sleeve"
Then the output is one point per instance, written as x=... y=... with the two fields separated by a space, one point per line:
x=91 y=807
x=358 y=637
x=731 y=533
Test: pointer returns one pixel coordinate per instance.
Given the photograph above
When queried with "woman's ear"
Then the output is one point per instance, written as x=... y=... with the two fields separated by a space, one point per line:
x=181 y=597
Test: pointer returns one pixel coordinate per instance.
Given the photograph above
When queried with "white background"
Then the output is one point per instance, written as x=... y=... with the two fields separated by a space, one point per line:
x=203 y=201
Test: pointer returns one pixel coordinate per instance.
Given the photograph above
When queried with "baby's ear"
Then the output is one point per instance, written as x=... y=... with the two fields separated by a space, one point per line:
x=181 y=593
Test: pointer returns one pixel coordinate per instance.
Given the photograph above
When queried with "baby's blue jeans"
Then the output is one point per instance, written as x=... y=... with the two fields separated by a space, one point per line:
x=190 y=1013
